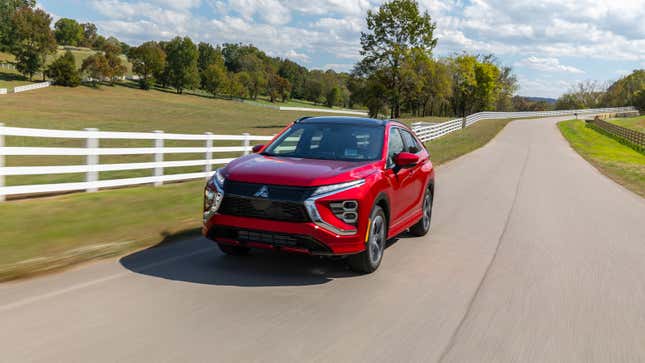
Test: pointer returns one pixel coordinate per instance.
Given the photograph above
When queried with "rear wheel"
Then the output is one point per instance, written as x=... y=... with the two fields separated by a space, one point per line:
x=370 y=259
x=234 y=250
x=423 y=225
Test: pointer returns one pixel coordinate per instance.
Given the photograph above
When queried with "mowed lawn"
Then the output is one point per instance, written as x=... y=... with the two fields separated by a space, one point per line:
x=122 y=108
x=634 y=123
x=621 y=163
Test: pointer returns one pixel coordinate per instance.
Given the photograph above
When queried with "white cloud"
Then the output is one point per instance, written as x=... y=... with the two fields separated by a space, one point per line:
x=293 y=55
x=547 y=65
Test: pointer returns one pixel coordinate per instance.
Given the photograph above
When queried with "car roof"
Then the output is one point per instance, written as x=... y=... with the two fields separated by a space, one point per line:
x=343 y=120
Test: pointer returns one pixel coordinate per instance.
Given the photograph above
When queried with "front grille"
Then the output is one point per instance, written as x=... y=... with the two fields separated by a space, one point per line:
x=275 y=192
x=271 y=238
x=263 y=208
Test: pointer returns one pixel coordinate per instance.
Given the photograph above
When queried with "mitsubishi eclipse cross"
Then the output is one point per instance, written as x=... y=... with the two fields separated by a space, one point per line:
x=330 y=186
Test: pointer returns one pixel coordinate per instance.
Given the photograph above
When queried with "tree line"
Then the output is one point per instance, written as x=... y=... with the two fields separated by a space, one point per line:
x=397 y=75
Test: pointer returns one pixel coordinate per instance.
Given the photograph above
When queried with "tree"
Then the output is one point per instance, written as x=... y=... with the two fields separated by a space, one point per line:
x=464 y=80
x=639 y=100
x=68 y=32
x=215 y=79
x=8 y=9
x=63 y=71
x=34 y=39
x=236 y=87
x=486 y=75
x=96 y=67
x=277 y=86
x=115 y=67
x=588 y=94
x=395 y=29
x=333 y=97
x=182 y=56
x=90 y=33
x=208 y=55
x=296 y=75
x=147 y=60
x=624 y=91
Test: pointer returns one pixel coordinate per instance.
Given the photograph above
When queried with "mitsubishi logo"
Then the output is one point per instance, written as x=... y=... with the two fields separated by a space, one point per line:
x=262 y=193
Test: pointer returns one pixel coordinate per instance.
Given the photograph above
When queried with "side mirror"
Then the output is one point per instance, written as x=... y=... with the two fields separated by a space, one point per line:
x=406 y=160
x=257 y=148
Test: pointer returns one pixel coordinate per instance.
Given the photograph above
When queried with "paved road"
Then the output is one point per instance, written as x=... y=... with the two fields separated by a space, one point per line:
x=534 y=256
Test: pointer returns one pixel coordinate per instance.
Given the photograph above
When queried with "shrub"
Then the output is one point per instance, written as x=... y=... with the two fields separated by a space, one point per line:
x=63 y=71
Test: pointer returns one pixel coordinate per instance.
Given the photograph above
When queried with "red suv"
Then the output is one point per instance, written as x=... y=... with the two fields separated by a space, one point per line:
x=331 y=186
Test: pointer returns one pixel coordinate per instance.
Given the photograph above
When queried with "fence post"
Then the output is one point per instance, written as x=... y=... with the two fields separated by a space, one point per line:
x=158 y=158
x=209 y=155
x=2 y=197
x=463 y=122
x=246 y=143
x=92 y=160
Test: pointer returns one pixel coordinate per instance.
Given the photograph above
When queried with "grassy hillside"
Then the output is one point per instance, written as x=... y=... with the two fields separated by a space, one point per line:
x=634 y=123
x=619 y=162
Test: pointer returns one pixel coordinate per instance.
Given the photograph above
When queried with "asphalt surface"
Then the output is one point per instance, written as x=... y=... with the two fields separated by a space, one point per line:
x=533 y=256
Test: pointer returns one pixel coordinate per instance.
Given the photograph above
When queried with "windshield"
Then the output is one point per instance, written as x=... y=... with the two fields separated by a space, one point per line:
x=329 y=142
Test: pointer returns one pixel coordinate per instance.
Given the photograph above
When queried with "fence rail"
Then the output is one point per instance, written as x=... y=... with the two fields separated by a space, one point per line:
x=92 y=151
x=157 y=150
x=632 y=138
x=30 y=87
x=429 y=132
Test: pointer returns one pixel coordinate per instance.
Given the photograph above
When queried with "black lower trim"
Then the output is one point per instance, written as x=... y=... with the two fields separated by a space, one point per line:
x=275 y=239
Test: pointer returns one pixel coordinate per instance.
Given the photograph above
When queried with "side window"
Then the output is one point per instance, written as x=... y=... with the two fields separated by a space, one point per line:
x=394 y=146
x=411 y=144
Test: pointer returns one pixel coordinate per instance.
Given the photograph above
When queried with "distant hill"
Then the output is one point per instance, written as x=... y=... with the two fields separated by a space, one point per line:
x=540 y=99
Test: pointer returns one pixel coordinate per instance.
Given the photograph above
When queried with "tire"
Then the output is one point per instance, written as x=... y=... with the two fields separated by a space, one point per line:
x=234 y=250
x=422 y=227
x=370 y=259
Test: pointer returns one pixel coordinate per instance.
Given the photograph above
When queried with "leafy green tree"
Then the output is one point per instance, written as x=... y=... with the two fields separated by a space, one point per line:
x=277 y=86
x=464 y=81
x=181 y=62
x=639 y=100
x=115 y=65
x=236 y=87
x=333 y=97
x=395 y=29
x=313 y=90
x=68 y=32
x=96 y=67
x=588 y=94
x=34 y=39
x=296 y=75
x=208 y=55
x=90 y=33
x=486 y=75
x=63 y=71
x=215 y=79
x=8 y=9
x=147 y=60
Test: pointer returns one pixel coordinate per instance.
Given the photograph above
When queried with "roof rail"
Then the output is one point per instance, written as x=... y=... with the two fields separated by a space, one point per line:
x=302 y=118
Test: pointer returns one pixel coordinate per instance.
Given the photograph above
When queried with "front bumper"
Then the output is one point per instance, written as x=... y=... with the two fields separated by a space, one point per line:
x=306 y=237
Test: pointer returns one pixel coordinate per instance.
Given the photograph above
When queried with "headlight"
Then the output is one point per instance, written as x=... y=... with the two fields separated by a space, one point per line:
x=219 y=178
x=325 y=189
x=213 y=194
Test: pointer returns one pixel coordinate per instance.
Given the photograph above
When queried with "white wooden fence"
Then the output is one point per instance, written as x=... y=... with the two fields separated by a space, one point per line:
x=92 y=151
x=30 y=87
x=3 y=91
x=427 y=132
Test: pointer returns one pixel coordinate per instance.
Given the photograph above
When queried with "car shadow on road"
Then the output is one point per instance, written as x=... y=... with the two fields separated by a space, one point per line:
x=197 y=260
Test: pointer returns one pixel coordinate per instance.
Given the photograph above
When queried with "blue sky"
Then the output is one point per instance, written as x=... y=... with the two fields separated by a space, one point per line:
x=550 y=44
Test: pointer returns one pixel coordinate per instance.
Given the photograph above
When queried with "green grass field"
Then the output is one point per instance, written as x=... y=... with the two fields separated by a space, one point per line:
x=619 y=162
x=634 y=123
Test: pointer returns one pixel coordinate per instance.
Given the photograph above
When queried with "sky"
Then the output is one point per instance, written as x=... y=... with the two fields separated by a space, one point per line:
x=551 y=44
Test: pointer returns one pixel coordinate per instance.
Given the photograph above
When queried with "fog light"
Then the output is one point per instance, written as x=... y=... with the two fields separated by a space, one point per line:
x=347 y=211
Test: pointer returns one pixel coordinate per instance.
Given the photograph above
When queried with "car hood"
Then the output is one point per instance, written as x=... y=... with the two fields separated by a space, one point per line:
x=256 y=168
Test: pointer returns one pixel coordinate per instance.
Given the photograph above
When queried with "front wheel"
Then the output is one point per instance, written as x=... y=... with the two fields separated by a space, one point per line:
x=423 y=225
x=370 y=259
